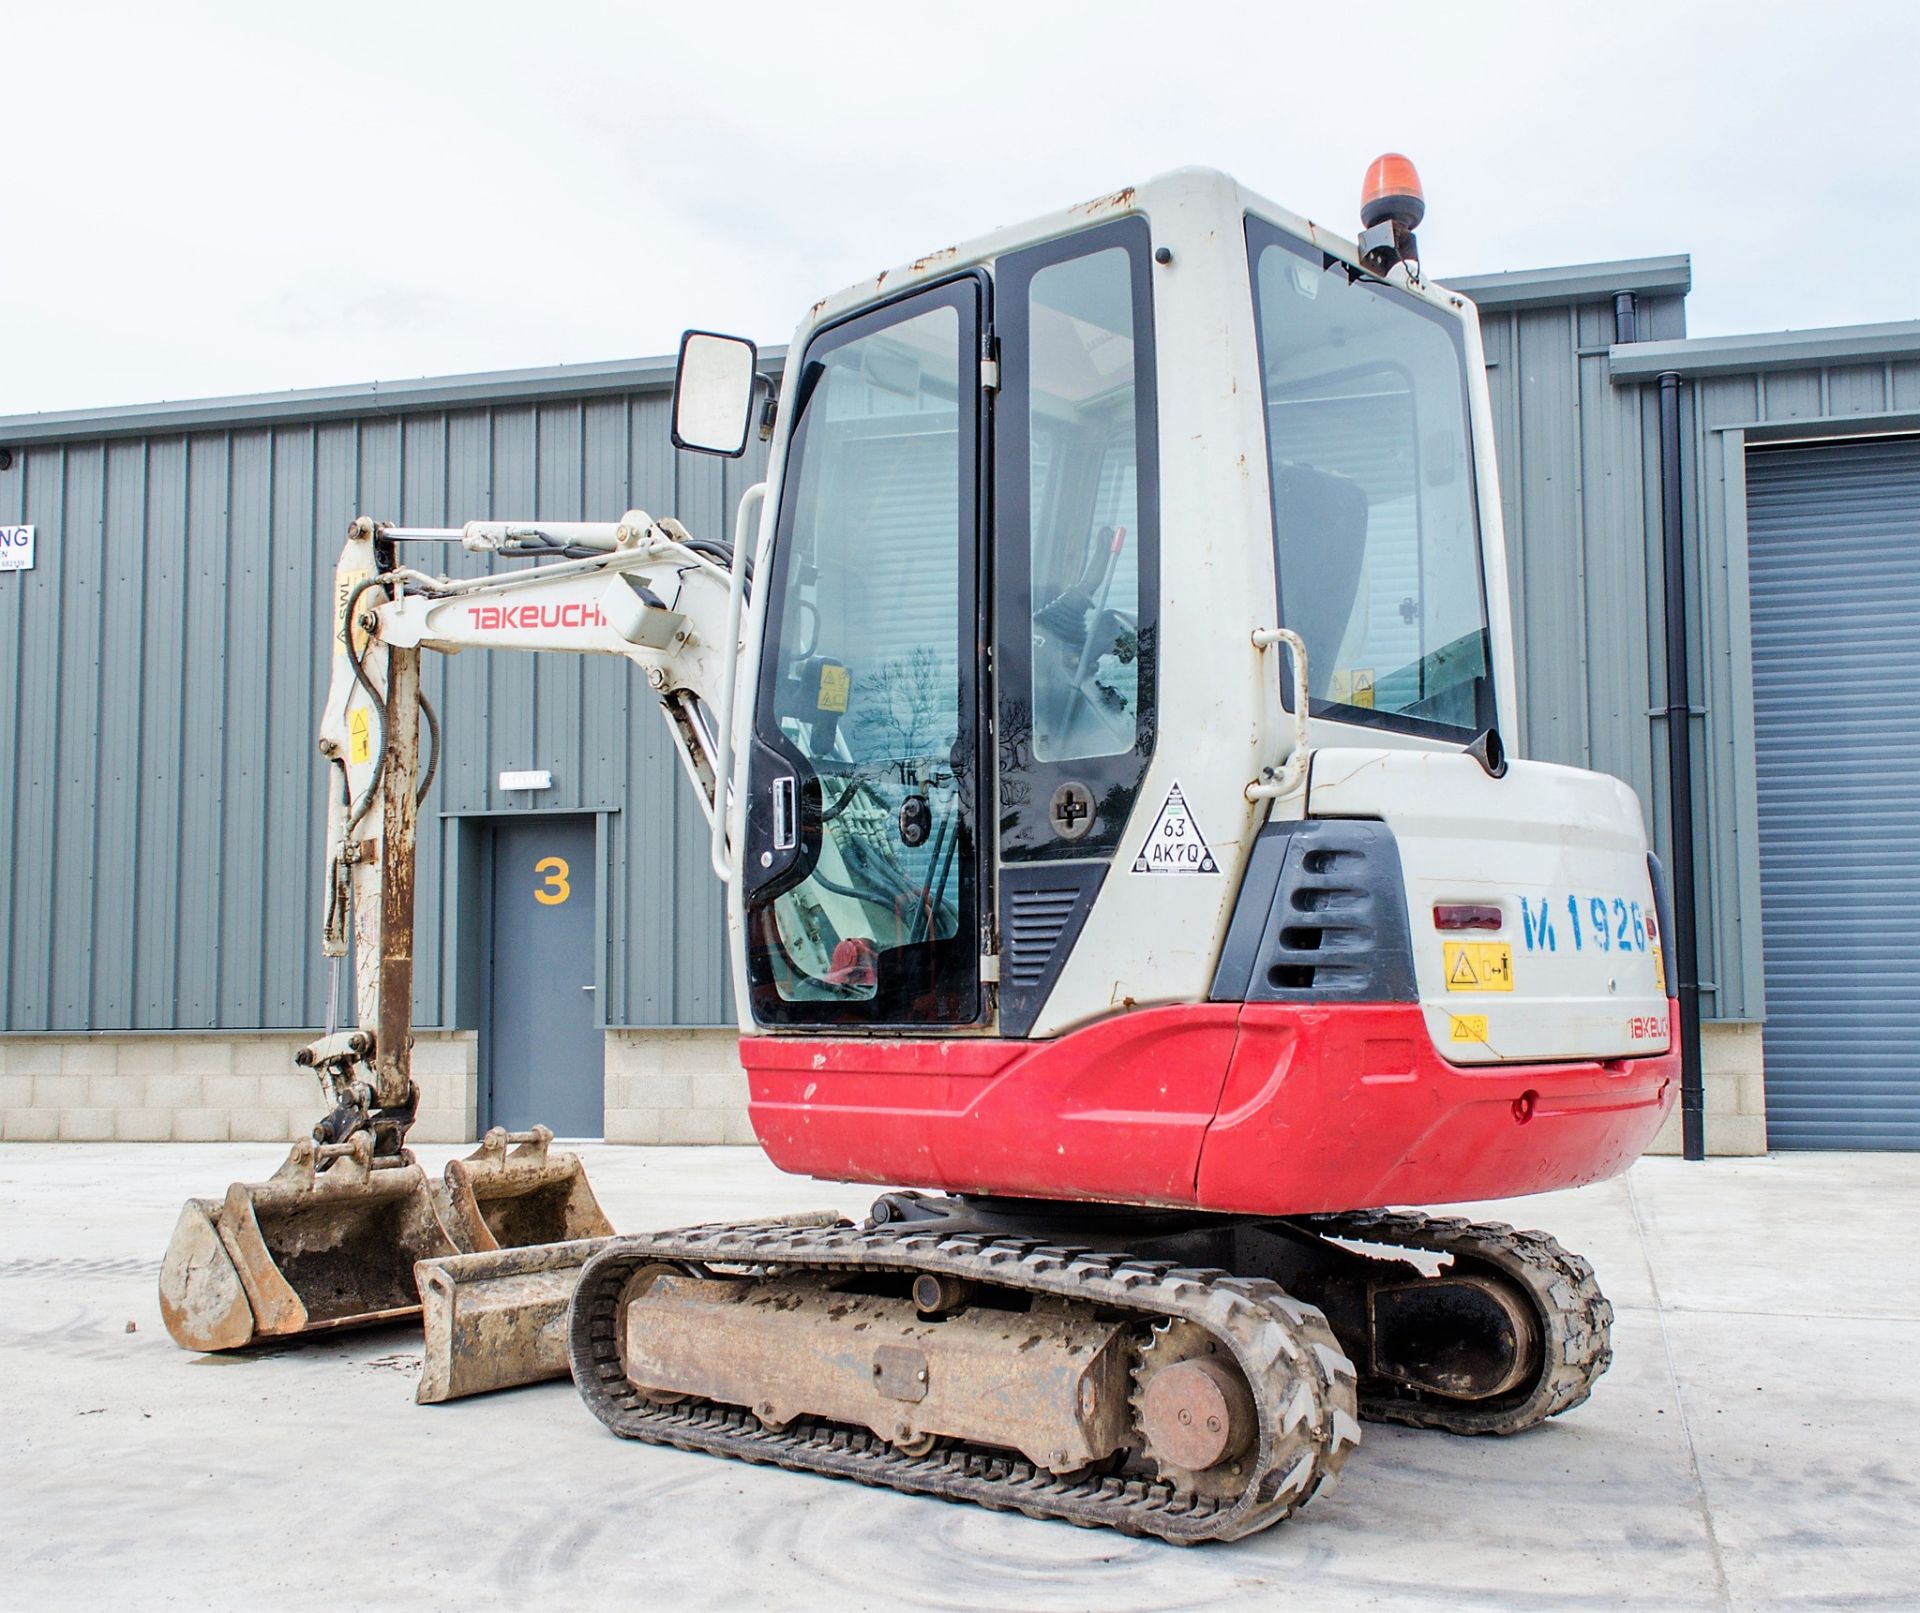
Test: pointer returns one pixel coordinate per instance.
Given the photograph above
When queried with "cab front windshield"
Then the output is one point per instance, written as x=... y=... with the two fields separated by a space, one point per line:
x=1376 y=535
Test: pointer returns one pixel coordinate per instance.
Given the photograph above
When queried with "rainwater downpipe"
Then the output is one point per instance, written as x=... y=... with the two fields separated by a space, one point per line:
x=1679 y=716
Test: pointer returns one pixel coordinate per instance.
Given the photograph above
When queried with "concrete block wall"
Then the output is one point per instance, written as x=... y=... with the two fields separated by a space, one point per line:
x=1733 y=1069
x=676 y=1086
x=203 y=1087
x=671 y=1086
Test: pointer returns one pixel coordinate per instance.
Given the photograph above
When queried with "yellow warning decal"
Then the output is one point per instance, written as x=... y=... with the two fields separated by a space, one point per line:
x=1479 y=966
x=1660 y=970
x=1466 y=1027
x=359 y=736
x=1351 y=686
x=835 y=684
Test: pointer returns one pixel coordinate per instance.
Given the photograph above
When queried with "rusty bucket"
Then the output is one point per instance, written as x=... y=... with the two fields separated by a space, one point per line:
x=496 y=1315
x=497 y=1318
x=329 y=1240
x=516 y=1190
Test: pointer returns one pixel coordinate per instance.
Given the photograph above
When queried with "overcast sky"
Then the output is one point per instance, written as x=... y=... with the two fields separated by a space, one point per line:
x=206 y=198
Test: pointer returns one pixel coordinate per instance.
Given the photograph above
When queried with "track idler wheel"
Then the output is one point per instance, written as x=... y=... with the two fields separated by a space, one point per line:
x=1511 y=1331
x=1193 y=1410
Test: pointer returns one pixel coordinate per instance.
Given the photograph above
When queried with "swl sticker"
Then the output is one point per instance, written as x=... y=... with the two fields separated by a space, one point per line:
x=1175 y=845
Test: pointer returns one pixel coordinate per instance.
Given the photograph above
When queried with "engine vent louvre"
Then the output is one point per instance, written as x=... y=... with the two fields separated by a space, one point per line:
x=1036 y=920
x=1322 y=917
x=1042 y=907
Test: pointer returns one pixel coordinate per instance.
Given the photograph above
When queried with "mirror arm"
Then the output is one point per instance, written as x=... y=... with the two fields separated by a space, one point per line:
x=769 y=406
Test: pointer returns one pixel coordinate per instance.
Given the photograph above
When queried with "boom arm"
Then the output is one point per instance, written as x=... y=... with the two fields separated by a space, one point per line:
x=639 y=588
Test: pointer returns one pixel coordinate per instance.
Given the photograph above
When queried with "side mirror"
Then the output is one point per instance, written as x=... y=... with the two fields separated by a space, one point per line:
x=713 y=392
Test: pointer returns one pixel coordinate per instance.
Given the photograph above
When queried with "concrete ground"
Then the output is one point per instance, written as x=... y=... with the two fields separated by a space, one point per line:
x=1756 y=1444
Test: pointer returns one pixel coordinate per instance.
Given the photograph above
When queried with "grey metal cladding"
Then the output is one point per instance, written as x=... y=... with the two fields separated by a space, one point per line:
x=1580 y=492
x=167 y=659
x=1042 y=909
x=1321 y=917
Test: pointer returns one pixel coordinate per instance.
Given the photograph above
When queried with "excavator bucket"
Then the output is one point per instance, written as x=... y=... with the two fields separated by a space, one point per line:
x=497 y=1318
x=496 y=1315
x=329 y=1240
x=514 y=1190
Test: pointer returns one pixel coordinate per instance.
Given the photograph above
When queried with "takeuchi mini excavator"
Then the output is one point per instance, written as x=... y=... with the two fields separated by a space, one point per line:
x=1099 y=715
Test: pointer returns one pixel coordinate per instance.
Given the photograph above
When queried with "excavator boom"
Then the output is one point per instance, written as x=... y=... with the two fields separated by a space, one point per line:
x=334 y=1238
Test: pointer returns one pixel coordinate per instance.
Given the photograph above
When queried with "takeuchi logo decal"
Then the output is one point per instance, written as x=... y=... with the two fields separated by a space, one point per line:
x=493 y=618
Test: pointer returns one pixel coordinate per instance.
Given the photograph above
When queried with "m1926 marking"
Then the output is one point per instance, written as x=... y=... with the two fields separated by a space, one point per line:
x=1597 y=923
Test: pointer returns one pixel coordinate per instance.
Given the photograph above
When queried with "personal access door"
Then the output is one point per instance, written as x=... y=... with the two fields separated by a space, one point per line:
x=863 y=866
x=545 y=1054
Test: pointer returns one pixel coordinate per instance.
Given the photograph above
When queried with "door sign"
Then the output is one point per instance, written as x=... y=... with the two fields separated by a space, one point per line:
x=554 y=889
x=16 y=548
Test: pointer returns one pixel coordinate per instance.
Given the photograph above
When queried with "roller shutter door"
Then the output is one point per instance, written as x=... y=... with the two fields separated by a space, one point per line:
x=1834 y=542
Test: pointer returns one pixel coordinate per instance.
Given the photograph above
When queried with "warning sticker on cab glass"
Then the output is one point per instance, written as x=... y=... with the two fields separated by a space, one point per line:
x=1479 y=966
x=1175 y=845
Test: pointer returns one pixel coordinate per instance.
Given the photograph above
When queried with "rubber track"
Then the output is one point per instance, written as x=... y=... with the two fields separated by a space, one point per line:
x=1576 y=1319
x=1304 y=1385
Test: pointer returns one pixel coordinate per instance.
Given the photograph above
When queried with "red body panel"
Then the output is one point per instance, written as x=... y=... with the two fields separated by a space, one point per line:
x=1263 y=1108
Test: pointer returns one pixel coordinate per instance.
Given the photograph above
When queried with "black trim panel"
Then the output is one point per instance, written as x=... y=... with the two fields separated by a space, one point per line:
x=1321 y=917
x=1043 y=907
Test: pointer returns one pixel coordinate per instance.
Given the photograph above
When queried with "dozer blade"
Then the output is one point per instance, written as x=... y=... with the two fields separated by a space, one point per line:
x=516 y=1190
x=497 y=1318
x=329 y=1240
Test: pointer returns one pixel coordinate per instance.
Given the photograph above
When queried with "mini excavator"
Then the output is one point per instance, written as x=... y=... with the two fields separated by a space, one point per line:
x=1099 y=715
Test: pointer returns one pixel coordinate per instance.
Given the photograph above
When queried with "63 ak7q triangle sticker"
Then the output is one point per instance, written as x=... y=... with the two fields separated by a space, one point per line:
x=1175 y=845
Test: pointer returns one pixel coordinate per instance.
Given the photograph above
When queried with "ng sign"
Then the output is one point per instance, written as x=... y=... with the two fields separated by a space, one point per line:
x=16 y=548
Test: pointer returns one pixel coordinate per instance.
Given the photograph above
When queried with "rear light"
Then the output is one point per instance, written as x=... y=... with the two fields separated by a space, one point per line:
x=1466 y=916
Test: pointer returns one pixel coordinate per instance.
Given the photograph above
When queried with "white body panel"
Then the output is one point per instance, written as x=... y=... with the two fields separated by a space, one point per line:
x=1563 y=855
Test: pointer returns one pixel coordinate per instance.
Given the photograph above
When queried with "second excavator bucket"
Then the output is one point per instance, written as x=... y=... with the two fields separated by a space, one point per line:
x=329 y=1240
x=495 y=1316
x=516 y=1189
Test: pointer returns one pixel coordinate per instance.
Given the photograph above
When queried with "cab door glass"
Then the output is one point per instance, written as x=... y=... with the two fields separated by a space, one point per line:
x=1078 y=541
x=862 y=845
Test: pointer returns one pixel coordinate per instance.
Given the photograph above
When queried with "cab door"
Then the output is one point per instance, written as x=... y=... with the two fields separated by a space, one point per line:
x=864 y=862
x=1076 y=568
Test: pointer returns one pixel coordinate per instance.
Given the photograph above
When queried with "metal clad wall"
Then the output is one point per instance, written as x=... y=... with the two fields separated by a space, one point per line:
x=1580 y=490
x=160 y=798
x=1833 y=541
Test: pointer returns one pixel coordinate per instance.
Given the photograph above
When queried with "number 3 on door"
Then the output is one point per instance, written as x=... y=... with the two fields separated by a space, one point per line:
x=555 y=889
